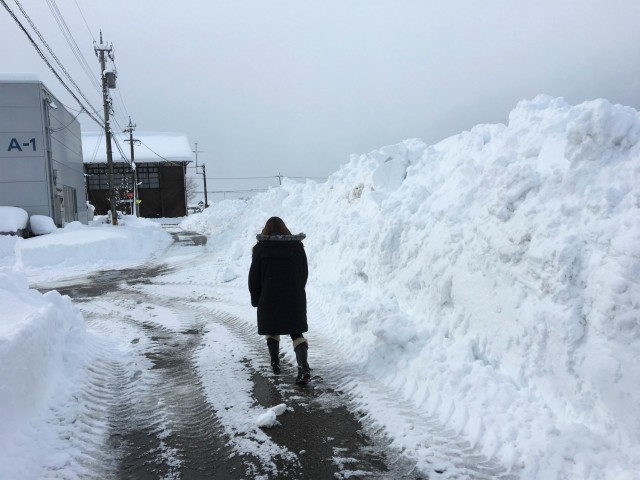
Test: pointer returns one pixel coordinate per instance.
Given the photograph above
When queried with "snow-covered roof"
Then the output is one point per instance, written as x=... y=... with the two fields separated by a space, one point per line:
x=152 y=147
x=20 y=77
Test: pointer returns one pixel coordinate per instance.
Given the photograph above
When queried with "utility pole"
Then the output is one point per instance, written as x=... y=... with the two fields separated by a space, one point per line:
x=108 y=81
x=130 y=128
x=204 y=174
x=204 y=179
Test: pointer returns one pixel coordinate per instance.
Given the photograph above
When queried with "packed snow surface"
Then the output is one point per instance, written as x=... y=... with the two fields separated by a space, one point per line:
x=491 y=280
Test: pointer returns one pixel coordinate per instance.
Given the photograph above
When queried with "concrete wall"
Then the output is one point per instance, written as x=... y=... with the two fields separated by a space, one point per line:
x=40 y=154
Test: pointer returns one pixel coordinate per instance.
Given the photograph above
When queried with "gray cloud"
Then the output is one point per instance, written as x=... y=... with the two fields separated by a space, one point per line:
x=295 y=87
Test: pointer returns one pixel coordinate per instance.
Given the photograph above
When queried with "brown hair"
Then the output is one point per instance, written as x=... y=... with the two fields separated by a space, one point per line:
x=275 y=226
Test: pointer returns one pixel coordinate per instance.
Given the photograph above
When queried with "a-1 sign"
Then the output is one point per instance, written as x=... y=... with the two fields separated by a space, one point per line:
x=21 y=144
x=14 y=144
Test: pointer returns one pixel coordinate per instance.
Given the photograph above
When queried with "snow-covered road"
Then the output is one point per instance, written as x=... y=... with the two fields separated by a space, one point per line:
x=179 y=382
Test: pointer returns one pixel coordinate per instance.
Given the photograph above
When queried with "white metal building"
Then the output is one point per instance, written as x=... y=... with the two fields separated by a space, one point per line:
x=41 y=167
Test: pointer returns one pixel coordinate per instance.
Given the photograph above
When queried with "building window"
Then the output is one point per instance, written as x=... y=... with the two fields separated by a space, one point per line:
x=149 y=177
x=98 y=177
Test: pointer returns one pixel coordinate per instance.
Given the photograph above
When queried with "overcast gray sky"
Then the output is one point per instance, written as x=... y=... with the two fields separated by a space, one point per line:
x=295 y=86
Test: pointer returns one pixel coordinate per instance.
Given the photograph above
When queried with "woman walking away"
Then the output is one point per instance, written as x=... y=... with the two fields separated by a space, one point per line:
x=277 y=280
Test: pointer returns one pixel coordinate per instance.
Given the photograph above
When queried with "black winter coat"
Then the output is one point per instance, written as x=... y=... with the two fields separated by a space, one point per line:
x=277 y=280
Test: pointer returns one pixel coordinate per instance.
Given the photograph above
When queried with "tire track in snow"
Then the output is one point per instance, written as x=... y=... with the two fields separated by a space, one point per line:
x=80 y=423
x=344 y=451
x=245 y=355
x=231 y=361
x=162 y=425
x=350 y=454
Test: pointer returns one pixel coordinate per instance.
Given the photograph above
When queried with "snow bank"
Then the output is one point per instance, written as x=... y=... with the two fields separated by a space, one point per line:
x=79 y=248
x=492 y=279
x=42 y=340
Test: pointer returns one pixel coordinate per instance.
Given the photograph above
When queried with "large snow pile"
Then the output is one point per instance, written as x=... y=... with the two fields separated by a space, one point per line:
x=493 y=279
x=42 y=343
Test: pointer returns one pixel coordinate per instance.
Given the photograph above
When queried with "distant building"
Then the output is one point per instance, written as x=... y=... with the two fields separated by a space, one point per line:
x=161 y=161
x=41 y=169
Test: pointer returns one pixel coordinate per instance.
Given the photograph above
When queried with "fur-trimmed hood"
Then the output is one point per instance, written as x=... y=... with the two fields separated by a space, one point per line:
x=282 y=238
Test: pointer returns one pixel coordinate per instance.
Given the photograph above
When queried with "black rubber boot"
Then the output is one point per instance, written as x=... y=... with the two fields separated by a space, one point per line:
x=304 y=372
x=274 y=353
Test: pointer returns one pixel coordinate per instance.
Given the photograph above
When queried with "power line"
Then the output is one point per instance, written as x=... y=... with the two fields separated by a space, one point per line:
x=119 y=97
x=44 y=42
x=260 y=178
x=44 y=58
x=68 y=124
x=122 y=104
x=68 y=36
x=240 y=178
x=95 y=151
x=124 y=157
x=234 y=191
x=115 y=120
x=306 y=178
x=263 y=178
x=71 y=109
x=85 y=21
x=153 y=151
x=74 y=47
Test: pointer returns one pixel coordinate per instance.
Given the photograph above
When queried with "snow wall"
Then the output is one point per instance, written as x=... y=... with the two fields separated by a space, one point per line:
x=42 y=345
x=491 y=278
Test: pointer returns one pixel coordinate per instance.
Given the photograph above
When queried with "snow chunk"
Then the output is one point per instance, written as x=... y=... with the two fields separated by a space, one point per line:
x=393 y=161
x=268 y=418
x=13 y=220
